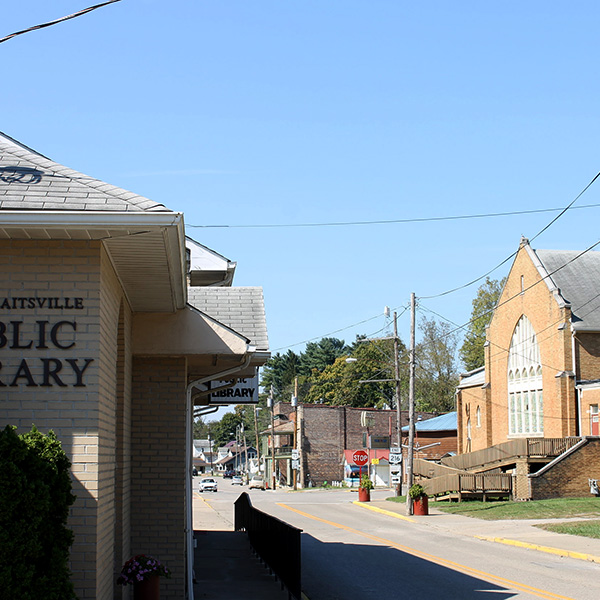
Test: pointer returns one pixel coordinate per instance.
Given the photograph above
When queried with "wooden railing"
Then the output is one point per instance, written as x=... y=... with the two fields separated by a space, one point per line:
x=472 y=483
x=430 y=469
x=513 y=449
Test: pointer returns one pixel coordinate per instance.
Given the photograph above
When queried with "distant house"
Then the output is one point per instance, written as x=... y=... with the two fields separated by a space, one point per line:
x=325 y=437
x=436 y=437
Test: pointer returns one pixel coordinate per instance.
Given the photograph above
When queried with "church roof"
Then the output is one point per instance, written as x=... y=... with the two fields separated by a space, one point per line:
x=576 y=277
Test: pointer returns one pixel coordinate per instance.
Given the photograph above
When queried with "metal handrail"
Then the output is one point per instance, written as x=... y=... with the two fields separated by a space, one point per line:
x=275 y=541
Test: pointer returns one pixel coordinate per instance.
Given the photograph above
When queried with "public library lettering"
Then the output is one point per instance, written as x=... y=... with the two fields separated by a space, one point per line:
x=43 y=372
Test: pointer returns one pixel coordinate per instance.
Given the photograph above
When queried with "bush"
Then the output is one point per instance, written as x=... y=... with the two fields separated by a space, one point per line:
x=416 y=491
x=35 y=495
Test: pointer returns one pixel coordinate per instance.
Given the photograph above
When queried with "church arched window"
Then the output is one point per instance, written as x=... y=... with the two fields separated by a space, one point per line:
x=525 y=395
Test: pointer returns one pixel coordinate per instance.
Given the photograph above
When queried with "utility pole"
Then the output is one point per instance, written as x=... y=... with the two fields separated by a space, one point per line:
x=270 y=404
x=398 y=410
x=411 y=407
x=255 y=411
x=295 y=405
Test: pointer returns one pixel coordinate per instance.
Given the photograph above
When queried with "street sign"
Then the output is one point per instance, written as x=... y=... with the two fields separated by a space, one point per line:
x=295 y=465
x=395 y=456
x=295 y=455
x=396 y=479
x=374 y=461
x=360 y=458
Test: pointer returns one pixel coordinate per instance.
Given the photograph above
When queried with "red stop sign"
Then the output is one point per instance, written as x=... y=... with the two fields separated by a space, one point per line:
x=360 y=458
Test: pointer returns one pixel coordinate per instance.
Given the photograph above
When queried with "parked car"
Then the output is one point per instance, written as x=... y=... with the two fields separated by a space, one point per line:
x=237 y=480
x=257 y=482
x=228 y=474
x=208 y=485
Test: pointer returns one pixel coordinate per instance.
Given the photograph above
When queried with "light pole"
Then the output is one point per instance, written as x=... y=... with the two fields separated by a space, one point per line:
x=256 y=409
x=272 y=407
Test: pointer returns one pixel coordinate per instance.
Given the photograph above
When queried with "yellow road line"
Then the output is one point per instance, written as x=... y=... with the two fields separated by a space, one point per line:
x=382 y=511
x=437 y=560
x=547 y=549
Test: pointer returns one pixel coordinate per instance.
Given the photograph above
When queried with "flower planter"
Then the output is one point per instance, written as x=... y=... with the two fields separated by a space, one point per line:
x=421 y=506
x=364 y=495
x=149 y=589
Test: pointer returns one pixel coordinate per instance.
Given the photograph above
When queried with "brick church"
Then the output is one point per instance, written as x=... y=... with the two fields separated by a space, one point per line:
x=541 y=378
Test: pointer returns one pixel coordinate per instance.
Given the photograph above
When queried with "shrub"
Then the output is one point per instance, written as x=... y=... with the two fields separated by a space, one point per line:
x=35 y=495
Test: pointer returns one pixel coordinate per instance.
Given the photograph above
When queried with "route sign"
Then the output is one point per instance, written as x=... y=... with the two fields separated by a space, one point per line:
x=395 y=456
x=360 y=458
x=295 y=454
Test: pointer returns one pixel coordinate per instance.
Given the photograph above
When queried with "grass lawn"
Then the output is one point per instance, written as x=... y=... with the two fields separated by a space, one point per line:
x=557 y=508
x=589 y=528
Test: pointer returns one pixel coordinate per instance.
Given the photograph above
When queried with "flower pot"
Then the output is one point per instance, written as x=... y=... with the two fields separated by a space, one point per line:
x=149 y=589
x=364 y=495
x=421 y=506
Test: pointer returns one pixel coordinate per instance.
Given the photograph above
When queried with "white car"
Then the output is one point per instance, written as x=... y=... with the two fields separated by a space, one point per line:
x=257 y=482
x=208 y=485
x=237 y=480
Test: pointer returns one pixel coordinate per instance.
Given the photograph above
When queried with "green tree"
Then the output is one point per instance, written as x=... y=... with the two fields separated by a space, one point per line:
x=437 y=373
x=367 y=381
x=321 y=354
x=279 y=373
x=472 y=349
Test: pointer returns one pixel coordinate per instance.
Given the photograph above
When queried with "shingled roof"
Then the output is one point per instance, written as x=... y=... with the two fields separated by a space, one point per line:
x=575 y=277
x=240 y=308
x=30 y=181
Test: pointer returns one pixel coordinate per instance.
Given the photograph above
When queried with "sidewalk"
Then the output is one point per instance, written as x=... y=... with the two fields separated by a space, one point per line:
x=225 y=567
x=522 y=533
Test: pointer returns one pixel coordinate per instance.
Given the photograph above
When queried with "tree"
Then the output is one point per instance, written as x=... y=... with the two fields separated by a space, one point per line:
x=365 y=382
x=472 y=349
x=437 y=373
x=279 y=373
x=321 y=354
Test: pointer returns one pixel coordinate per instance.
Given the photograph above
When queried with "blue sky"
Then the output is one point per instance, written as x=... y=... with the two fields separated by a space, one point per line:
x=280 y=113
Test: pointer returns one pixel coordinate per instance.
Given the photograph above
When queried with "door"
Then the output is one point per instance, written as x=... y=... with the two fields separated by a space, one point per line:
x=594 y=430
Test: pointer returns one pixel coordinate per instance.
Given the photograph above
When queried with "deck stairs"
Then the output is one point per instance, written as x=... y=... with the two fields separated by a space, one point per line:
x=480 y=473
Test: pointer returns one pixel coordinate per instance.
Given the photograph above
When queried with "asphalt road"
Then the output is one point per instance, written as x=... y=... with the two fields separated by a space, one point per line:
x=348 y=552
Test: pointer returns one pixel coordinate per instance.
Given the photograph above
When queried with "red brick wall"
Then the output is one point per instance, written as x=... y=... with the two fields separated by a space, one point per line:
x=546 y=316
x=569 y=476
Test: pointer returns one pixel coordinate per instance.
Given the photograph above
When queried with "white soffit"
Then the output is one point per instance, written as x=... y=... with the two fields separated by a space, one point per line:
x=146 y=249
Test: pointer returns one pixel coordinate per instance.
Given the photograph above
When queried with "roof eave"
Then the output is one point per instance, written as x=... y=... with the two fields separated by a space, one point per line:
x=119 y=232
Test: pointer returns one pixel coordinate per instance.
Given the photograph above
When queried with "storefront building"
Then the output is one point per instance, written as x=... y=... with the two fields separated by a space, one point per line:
x=99 y=343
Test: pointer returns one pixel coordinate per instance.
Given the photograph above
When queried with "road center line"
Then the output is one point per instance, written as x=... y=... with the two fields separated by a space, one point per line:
x=436 y=559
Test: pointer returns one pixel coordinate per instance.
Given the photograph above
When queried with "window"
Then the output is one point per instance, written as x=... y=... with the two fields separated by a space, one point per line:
x=525 y=394
x=478 y=417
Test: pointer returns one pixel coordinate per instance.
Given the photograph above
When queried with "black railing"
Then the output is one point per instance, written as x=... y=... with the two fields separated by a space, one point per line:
x=277 y=543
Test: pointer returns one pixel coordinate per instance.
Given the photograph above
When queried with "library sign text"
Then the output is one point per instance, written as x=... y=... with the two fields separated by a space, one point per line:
x=17 y=336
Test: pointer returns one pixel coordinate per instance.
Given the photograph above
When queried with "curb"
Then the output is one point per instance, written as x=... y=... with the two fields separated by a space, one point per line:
x=382 y=511
x=546 y=549
x=497 y=540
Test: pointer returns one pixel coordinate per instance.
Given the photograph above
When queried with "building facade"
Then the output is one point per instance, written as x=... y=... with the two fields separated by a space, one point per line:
x=541 y=376
x=99 y=343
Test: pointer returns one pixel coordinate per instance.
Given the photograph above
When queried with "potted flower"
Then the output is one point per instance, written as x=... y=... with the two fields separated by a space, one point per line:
x=143 y=572
x=420 y=499
x=364 y=489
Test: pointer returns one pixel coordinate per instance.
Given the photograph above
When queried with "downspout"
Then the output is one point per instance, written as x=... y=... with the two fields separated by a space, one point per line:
x=578 y=391
x=188 y=479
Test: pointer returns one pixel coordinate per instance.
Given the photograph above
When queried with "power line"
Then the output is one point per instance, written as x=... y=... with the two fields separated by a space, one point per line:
x=563 y=211
x=334 y=332
x=402 y=221
x=43 y=25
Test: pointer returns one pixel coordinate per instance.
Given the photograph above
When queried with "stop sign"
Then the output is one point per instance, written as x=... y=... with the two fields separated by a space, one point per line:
x=360 y=458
